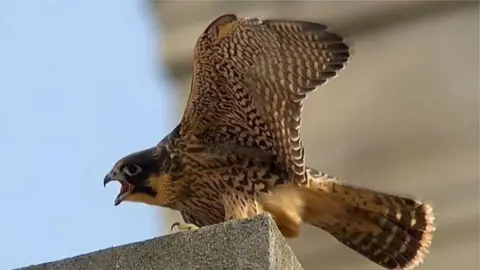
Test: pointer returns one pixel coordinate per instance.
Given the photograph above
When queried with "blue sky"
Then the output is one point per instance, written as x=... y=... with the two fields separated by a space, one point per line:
x=79 y=89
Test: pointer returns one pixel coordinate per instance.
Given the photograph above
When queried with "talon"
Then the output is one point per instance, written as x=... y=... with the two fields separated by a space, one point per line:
x=175 y=224
x=183 y=226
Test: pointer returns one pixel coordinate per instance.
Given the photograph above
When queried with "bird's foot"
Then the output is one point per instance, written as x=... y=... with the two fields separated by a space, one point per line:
x=184 y=226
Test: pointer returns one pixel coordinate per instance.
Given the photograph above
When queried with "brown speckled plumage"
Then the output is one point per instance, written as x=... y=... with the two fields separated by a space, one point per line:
x=237 y=151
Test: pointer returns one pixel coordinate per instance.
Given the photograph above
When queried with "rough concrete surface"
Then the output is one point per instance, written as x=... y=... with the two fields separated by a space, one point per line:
x=241 y=244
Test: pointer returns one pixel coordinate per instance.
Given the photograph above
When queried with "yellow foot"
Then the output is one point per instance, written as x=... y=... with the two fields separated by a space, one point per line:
x=184 y=226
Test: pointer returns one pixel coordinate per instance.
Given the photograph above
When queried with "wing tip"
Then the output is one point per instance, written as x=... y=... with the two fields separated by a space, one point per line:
x=305 y=25
x=322 y=31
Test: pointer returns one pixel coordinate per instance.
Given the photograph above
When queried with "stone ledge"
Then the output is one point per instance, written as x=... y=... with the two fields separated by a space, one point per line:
x=240 y=244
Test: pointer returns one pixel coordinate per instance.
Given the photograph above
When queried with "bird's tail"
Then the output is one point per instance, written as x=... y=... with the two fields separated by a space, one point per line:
x=392 y=231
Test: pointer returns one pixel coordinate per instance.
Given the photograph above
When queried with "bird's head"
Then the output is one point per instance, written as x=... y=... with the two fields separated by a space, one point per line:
x=143 y=177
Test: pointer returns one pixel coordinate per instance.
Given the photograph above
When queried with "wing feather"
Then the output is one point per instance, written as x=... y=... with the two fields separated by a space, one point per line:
x=250 y=79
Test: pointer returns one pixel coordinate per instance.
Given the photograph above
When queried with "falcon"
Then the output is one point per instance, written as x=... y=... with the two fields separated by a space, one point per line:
x=237 y=151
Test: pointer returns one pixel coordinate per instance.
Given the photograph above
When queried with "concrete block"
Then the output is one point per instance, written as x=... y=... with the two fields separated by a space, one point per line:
x=239 y=244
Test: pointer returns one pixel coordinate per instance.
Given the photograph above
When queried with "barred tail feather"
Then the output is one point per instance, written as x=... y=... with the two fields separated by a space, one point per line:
x=389 y=243
x=392 y=231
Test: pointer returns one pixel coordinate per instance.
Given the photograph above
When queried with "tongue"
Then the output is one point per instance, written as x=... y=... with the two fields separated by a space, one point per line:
x=124 y=188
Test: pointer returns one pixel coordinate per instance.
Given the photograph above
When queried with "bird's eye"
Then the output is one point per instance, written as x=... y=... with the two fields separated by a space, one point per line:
x=132 y=169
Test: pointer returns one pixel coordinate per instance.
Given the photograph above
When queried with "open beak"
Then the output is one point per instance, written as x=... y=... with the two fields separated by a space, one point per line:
x=125 y=189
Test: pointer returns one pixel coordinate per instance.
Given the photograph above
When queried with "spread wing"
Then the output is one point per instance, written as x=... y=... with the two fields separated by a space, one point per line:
x=249 y=81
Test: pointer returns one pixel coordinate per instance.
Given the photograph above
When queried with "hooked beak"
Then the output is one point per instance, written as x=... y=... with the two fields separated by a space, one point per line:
x=125 y=189
x=108 y=178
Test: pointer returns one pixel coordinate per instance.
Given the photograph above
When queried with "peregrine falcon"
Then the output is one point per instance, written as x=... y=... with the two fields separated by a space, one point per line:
x=237 y=151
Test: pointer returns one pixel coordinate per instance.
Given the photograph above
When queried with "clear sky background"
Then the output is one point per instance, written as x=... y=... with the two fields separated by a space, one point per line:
x=79 y=88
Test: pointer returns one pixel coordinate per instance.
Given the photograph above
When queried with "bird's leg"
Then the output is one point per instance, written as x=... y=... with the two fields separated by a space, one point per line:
x=285 y=204
x=184 y=226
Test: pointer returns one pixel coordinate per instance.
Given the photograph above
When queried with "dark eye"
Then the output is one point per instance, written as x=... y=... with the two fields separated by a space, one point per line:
x=131 y=169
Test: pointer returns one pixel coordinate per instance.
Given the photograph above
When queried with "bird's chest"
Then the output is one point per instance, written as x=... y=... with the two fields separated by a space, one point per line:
x=216 y=178
x=203 y=212
x=214 y=193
